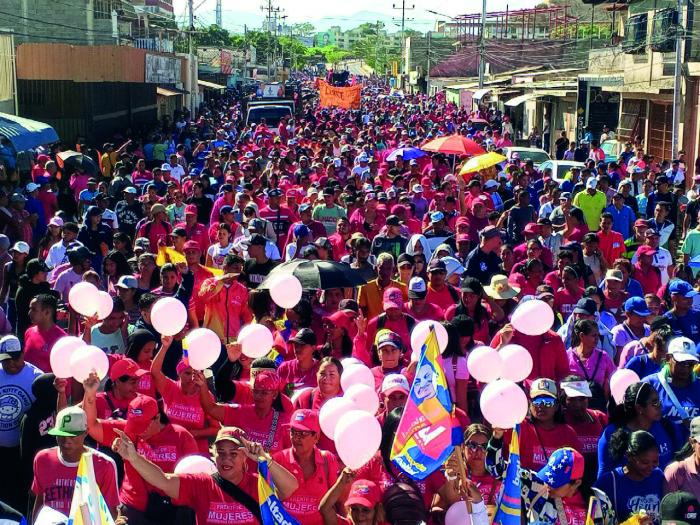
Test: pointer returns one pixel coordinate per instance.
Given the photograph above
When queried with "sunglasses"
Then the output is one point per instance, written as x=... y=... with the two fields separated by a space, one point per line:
x=301 y=433
x=473 y=446
x=544 y=403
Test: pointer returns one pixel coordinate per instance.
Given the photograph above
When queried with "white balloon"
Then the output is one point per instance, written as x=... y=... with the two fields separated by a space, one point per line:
x=533 y=317
x=364 y=397
x=357 y=438
x=256 y=340
x=458 y=514
x=503 y=404
x=355 y=374
x=87 y=359
x=298 y=392
x=517 y=363
x=484 y=364
x=168 y=316
x=285 y=290
x=104 y=305
x=82 y=297
x=203 y=348
x=331 y=412
x=60 y=355
x=620 y=381
x=420 y=333
x=195 y=465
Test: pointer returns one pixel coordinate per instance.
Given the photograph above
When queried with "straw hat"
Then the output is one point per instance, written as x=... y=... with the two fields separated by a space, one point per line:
x=500 y=288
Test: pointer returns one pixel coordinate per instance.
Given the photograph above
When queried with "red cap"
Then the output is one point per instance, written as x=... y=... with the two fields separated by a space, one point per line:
x=291 y=193
x=531 y=227
x=463 y=237
x=141 y=412
x=190 y=209
x=393 y=298
x=645 y=250
x=305 y=419
x=641 y=223
x=192 y=245
x=461 y=220
x=364 y=492
x=266 y=380
x=125 y=367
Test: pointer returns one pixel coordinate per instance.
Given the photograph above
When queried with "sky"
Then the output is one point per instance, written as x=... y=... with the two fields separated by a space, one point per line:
x=330 y=12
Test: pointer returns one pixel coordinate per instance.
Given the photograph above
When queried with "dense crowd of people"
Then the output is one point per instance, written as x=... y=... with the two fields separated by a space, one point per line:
x=205 y=207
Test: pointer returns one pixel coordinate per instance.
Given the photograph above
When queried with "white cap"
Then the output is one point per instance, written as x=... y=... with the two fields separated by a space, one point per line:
x=453 y=266
x=31 y=187
x=394 y=382
x=56 y=221
x=417 y=188
x=576 y=389
x=592 y=183
x=450 y=178
x=682 y=349
x=490 y=184
x=21 y=247
x=166 y=167
x=9 y=345
x=417 y=288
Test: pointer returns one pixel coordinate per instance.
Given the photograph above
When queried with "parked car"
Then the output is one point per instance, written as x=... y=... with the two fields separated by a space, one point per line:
x=537 y=155
x=612 y=149
x=560 y=167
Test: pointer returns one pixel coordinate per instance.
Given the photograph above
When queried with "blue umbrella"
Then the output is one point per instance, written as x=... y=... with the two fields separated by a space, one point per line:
x=406 y=154
x=24 y=133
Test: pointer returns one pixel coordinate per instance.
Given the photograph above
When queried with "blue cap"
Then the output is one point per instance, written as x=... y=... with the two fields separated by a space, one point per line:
x=437 y=216
x=304 y=207
x=226 y=209
x=678 y=286
x=275 y=192
x=637 y=306
x=301 y=230
x=564 y=466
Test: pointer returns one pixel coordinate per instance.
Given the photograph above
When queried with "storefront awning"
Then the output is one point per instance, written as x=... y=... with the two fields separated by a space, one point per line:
x=479 y=93
x=25 y=133
x=165 y=92
x=516 y=101
x=210 y=85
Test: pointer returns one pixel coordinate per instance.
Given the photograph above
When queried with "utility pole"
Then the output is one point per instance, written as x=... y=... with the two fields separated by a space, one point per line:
x=427 y=72
x=193 y=67
x=268 y=22
x=219 y=21
x=482 y=46
x=677 y=82
x=403 y=9
x=283 y=18
x=376 y=49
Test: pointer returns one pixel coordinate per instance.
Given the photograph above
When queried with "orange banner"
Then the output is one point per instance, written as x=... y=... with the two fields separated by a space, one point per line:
x=342 y=97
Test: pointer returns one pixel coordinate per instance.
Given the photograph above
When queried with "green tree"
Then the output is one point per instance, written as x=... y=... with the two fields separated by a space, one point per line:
x=212 y=36
x=303 y=29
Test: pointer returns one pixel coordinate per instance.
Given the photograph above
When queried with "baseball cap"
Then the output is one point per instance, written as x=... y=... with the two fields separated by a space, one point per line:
x=437 y=265
x=393 y=220
x=490 y=232
x=130 y=189
x=301 y=230
x=543 y=387
x=305 y=336
x=645 y=250
x=142 y=242
x=576 y=389
x=682 y=349
x=386 y=337
x=10 y=347
x=436 y=216
x=233 y=434
x=56 y=221
x=591 y=183
x=128 y=282
x=190 y=209
x=472 y=285
x=641 y=223
x=490 y=184
x=565 y=196
x=651 y=232
x=275 y=192
x=392 y=299
x=393 y=383
x=678 y=286
x=453 y=266
x=256 y=240
x=365 y=493
x=31 y=187
x=564 y=466
x=21 y=247
x=586 y=306
x=70 y=422
x=679 y=508
x=305 y=419
x=531 y=227
x=417 y=288
x=417 y=188
x=614 y=275
x=304 y=207
x=142 y=410
x=125 y=367
x=637 y=306
x=18 y=197
x=192 y=245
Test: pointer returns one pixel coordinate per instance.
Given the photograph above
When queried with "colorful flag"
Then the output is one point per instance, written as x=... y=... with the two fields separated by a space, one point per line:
x=508 y=507
x=342 y=97
x=271 y=509
x=428 y=430
x=88 y=507
x=167 y=254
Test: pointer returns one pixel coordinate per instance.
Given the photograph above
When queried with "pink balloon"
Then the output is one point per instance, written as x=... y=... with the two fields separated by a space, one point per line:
x=619 y=381
x=256 y=340
x=357 y=374
x=87 y=359
x=203 y=348
x=517 y=363
x=168 y=316
x=503 y=404
x=104 y=305
x=458 y=514
x=83 y=298
x=533 y=317
x=331 y=412
x=61 y=353
x=285 y=290
x=420 y=332
x=364 y=397
x=357 y=440
x=195 y=465
x=484 y=364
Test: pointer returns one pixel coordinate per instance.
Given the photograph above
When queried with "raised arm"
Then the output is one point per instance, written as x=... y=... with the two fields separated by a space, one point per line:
x=157 y=365
x=210 y=407
x=90 y=386
x=331 y=498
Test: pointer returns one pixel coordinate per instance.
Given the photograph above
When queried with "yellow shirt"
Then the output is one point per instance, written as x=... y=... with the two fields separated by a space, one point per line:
x=371 y=297
x=592 y=207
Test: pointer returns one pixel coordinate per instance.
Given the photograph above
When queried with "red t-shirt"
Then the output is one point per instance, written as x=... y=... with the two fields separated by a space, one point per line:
x=432 y=312
x=442 y=299
x=303 y=504
x=54 y=478
x=612 y=245
x=259 y=430
x=105 y=410
x=538 y=444
x=650 y=280
x=187 y=411
x=488 y=487
x=565 y=301
x=589 y=432
x=290 y=372
x=147 y=386
x=212 y=505
x=164 y=449
x=38 y=344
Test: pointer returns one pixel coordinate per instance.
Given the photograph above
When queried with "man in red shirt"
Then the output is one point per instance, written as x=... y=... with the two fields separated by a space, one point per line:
x=193 y=256
x=44 y=332
x=610 y=242
x=317 y=228
x=55 y=468
x=195 y=231
x=393 y=318
x=280 y=216
x=417 y=306
x=440 y=293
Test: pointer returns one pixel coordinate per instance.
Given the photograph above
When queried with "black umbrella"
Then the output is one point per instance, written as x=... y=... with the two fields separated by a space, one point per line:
x=317 y=275
x=79 y=161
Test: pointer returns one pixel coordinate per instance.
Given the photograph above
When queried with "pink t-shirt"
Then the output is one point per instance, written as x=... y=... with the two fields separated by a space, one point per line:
x=38 y=344
x=290 y=372
x=598 y=367
x=186 y=410
x=259 y=430
x=211 y=504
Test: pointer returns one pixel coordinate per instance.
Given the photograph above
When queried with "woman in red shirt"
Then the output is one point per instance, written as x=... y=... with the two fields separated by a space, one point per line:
x=120 y=389
x=566 y=297
x=477 y=305
x=388 y=350
x=140 y=346
x=476 y=436
x=211 y=495
x=181 y=398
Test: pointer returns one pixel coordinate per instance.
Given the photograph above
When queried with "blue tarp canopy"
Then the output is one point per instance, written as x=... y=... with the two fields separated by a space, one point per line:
x=25 y=133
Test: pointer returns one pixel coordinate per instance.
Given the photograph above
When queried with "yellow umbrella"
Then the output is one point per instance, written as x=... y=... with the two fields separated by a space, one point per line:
x=481 y=162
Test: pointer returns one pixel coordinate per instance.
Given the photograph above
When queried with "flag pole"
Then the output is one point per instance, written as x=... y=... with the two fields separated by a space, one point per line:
x=463 y=478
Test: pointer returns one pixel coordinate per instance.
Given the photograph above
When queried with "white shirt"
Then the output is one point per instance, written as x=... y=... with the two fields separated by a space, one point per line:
x=177 y=172
x=57 y=254
x=662 y=260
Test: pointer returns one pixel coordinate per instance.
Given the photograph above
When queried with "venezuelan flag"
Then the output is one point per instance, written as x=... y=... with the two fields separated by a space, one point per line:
x=88 y=507
x=428 y=430
x=271 y=509
x=508 y=507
